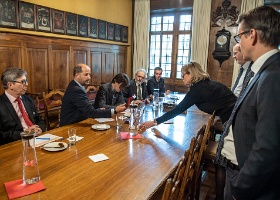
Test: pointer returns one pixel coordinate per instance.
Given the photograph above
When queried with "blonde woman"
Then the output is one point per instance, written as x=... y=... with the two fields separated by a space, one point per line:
x=206 y=94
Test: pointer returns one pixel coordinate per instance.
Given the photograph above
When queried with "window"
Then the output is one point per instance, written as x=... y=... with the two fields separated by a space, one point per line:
x=170 y=37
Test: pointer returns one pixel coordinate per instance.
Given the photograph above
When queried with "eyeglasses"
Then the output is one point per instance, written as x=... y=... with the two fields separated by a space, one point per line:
x=24 y=81
x=238 y=37
x=140 y=76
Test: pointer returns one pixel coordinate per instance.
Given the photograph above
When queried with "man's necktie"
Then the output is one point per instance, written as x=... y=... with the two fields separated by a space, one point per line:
x=238 y=78
x=23 y=113
x=139 y=94
x=246 y=81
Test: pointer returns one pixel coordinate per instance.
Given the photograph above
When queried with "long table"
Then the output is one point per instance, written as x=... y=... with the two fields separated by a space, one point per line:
x=136 y=168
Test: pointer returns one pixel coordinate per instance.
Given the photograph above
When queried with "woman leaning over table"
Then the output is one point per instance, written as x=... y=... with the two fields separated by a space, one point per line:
x=206 y=94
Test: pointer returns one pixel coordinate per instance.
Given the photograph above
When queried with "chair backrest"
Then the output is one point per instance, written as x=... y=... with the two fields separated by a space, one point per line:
x=52 y=104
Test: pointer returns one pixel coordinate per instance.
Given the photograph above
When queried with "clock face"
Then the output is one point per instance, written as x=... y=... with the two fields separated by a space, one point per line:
x=221 y=40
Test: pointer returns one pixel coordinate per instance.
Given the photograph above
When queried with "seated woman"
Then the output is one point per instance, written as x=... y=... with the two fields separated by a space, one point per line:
x=206 y=94
x=110 y=94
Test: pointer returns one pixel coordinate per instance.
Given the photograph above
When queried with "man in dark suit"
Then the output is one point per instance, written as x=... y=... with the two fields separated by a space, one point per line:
x=17 y=110
x=137 y=88
x=157 y=82
x=75 y=105
x=252 y=146
x=110 y=94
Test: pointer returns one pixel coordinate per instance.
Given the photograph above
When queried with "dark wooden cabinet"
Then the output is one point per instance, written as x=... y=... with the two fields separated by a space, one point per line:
x=49 y=62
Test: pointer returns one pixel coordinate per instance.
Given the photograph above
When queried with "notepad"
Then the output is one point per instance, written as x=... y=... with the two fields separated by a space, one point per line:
x=98 y=157
x=45 y=138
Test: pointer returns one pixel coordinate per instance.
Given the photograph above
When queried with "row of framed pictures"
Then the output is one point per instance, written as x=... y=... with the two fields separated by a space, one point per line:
x=23 y=15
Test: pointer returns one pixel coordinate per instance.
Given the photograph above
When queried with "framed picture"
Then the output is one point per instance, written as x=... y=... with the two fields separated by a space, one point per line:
x=71 y=24
x=117 y=32
x=102 y=29
x=93 y=28
x=124 y=34
x=43 y=19
x=26 y=15
x=9 y=13
x=83 y=25
x=58 y=24
x=110 y=31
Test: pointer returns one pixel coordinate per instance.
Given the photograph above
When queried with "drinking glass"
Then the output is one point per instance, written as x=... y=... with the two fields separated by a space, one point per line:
x=72 y=136
x=120 y=119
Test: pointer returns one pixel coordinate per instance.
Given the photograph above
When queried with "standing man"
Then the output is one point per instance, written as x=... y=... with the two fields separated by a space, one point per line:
x=110 y=94
x=245 y=67
x=17 y=110
x=252 y=146
x=75 y=105
x=157 y=82
x=137 y=88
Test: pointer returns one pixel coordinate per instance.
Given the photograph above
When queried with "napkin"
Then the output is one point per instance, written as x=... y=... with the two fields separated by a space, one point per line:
x=126 y=135
x=101 y=120
x=98 y=157
x=17 y=188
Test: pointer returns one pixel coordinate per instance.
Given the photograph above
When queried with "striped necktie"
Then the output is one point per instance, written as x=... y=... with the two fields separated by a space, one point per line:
x=23 y=113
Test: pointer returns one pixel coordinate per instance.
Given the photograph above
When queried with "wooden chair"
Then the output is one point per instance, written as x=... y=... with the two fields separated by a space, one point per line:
x=52 y=104
x=38 y=99
x=181 y=185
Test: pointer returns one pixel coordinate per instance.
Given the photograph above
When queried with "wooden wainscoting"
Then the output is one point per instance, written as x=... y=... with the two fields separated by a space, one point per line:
x=49 y=61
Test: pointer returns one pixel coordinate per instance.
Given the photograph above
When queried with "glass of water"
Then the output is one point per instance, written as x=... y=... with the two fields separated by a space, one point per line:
x=72 y=136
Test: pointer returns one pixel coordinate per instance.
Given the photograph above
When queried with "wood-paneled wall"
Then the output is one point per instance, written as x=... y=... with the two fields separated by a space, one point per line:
x=49 y=61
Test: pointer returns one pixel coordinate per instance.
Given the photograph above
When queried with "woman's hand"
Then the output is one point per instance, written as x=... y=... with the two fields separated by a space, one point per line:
x=146 y=125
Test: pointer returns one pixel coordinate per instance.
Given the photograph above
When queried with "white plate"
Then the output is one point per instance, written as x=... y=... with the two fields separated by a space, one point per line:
x=100 y=127
x=54 y=146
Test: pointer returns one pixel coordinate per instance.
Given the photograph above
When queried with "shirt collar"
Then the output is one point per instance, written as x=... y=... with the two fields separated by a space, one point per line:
x=80 y=85
x=10 y=97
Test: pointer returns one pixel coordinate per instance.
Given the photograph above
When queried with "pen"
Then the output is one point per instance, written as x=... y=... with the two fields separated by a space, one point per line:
x=43 y=138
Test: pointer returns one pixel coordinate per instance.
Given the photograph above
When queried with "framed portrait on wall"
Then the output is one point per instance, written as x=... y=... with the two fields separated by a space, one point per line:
x=83 y=25
x=93 y=28
x=44 y=19
x=102 y=29
x=124 y=34
x=9 y=13
x=117 y=32
x=58 y=24
x=71 y=23
x=110 y=31
x=26 y=15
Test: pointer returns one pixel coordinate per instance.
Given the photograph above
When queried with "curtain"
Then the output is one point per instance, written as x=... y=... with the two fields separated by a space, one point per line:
x=141 y=34
x=200 y=34
x=246 y=5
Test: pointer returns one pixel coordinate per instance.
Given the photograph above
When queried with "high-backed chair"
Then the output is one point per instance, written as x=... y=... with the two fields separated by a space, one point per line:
x=181 y=185
x=52 y=105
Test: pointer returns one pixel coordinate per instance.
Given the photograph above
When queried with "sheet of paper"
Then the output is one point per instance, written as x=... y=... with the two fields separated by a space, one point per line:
x=102 y=120
x=45 y=138
x=98 y=157
x=78 y=138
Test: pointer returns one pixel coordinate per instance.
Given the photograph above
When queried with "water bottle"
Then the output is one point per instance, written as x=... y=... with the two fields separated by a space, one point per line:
x=155 y=98
x=30 y=164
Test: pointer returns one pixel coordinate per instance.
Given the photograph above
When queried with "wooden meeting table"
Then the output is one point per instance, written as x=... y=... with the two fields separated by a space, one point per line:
x=136 y=168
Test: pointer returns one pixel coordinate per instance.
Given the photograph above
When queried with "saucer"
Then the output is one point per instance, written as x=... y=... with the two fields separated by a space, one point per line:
x=55 y=146
x=100 y=127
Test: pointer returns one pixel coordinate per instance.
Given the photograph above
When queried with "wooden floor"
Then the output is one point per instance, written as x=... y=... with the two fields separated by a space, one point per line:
x=207 y=189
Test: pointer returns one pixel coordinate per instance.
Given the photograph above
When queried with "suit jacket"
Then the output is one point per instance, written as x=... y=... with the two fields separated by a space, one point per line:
x=106 y=97
x=132 y=89
x=256 y=132
x=153 y=84
x=10 y=126
x=76 y=107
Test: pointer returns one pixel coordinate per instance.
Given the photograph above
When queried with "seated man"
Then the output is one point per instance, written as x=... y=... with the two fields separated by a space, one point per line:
x=75 y=105
x=17 y=110
x=110 y=94
x=157 y=82
x=137 y=88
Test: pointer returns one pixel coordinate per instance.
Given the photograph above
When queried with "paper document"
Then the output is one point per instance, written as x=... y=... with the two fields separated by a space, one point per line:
x=45 y=138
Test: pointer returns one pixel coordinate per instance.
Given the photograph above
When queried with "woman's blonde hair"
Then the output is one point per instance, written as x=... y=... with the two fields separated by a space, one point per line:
x=196 y=71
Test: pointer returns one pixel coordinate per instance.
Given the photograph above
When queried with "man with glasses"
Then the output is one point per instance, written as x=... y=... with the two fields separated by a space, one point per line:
x=252 y=145
x=137 y=88
x=17 y=110
x=110 y=94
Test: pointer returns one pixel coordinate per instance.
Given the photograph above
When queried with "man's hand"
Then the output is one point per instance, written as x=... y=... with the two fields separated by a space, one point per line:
x=36 y=128
x=121 y=108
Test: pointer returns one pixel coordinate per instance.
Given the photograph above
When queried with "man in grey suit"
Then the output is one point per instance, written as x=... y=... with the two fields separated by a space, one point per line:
x=75 y=105
x=110 y=94
x=252 y=146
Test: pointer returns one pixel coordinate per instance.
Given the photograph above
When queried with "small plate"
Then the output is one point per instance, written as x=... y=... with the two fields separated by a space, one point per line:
x=54 y=146
x=100 y=127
